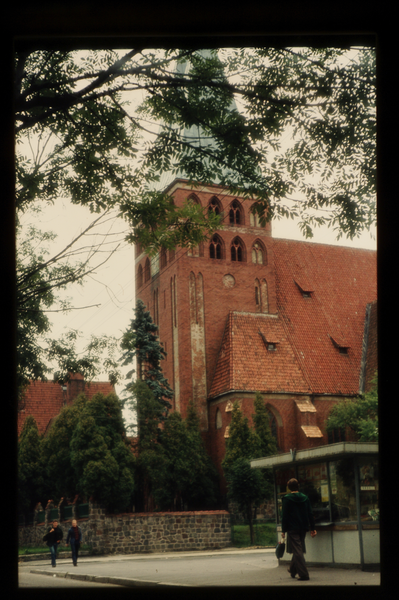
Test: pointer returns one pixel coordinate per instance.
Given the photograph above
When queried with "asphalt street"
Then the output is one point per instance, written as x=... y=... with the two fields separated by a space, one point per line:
x=225 y=568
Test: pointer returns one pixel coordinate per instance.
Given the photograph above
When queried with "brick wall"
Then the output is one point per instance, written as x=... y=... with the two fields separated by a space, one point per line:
x=142 y=532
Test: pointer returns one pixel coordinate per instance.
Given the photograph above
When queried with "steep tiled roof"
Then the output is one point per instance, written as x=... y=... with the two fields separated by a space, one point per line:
x=245 y=363
x=45 y=399
x=309 y=331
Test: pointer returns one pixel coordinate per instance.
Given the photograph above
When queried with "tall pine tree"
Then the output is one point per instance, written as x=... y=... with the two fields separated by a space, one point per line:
x=141 y=343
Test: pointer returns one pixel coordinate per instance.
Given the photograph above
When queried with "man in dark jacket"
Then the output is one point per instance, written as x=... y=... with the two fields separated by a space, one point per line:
x=297 y=519
x=75 y=537
x=53 y=537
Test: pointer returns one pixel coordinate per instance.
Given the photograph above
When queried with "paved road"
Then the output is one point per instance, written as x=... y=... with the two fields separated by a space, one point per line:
x=228 y=567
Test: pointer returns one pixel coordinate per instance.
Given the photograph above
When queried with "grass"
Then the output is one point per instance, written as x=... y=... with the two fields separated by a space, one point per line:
x=23 y=551
x=265 y=534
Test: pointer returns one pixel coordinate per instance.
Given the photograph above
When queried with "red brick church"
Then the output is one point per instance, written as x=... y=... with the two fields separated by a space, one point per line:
x=245 y=312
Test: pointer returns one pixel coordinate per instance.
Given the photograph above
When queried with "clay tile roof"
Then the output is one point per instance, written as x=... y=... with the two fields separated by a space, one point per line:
x=343 y=283
x=305 y=405
x=244 y=362
x=312 y=431
x=45 y=399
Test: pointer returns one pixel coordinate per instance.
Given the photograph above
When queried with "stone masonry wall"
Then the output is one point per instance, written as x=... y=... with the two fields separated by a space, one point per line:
x=158 y=532
x=141 y=532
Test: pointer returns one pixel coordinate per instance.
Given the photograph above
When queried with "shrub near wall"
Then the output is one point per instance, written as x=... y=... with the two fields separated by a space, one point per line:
x=158 y=532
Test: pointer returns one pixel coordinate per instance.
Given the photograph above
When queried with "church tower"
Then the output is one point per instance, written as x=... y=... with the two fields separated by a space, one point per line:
x=245 y=312
x=191 y=292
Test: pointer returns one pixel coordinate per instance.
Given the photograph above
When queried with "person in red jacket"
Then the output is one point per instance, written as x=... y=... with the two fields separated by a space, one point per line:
x=297 y=519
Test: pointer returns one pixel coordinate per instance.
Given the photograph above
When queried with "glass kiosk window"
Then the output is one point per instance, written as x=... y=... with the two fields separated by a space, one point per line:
x=368 y=479
x=343 y=491
x=314 y=483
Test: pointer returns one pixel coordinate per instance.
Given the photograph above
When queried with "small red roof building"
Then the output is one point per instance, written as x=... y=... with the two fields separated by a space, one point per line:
x=44 y=399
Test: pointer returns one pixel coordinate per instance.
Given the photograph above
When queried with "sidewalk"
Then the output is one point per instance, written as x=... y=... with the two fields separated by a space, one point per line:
x=228 y=567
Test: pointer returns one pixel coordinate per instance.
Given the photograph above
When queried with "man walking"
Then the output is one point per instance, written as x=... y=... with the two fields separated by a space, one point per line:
x=75 y=537
x=297 y=519
x=53 y=538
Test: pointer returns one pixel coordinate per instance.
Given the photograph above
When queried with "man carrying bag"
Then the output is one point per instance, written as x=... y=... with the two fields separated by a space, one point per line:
x=297 y=518
x=53 y=538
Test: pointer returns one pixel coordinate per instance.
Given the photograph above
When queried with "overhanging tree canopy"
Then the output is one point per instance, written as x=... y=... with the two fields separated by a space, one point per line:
x=293 y=127
x=100 y=151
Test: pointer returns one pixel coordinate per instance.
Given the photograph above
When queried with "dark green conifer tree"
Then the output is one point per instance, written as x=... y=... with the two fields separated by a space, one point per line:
x=247 y=487
x=100 y=454
x=61 y=478
x=30 y=468
x=141 y=343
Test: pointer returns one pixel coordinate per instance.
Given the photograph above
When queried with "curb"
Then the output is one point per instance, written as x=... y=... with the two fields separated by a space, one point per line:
x=125 y=581
x=46 y=556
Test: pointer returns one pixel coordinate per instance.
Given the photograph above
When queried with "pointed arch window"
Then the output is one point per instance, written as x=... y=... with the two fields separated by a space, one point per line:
x=139 y=276
x=214 y=206
x=235 y=213
x=258 y=253
x=273 y=425
x=237 y=250
x=147 y=271
x=193 y=198
x=163 y=258
x=261 y=296
x=215 y=247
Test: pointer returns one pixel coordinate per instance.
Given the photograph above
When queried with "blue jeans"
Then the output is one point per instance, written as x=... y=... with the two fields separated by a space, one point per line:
x=75 y=550
x=53 y=551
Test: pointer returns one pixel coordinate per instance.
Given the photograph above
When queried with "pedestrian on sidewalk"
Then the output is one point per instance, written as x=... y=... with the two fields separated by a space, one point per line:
x=74 y=537
x=297 y=519
x=53 y=538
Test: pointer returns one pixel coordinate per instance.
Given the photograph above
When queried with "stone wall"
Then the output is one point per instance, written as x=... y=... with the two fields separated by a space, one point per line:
x=142 y=532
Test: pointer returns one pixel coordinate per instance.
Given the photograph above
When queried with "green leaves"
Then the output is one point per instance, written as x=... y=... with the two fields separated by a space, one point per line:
x=30 y=467
x=157 y=223
x=102 y=461
x=219 y=116
x=360 y=415
x=248 y=487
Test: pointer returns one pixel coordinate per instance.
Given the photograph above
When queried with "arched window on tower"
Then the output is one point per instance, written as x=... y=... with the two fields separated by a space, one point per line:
x=235 y=213
x=261 y=296
x=237 y=250
x=139 y=276
x=193 y=198
x=163 y=258
x=254 y=219
x=214 y=206
x=258 y=253
x=215 y=247
x=147 y=271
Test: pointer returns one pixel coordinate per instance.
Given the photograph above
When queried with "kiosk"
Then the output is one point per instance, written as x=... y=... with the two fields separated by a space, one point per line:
x=341 y=481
